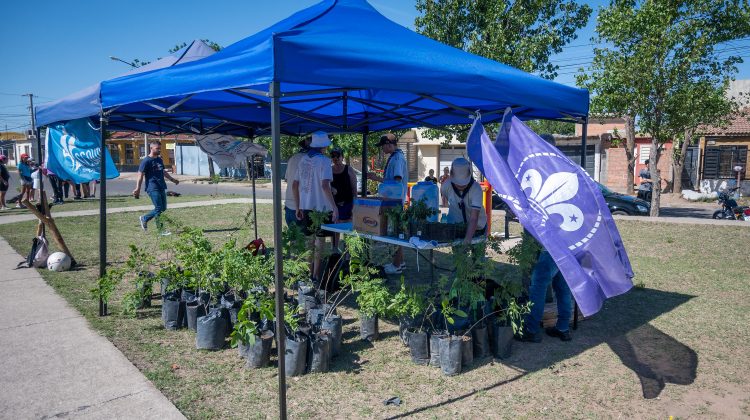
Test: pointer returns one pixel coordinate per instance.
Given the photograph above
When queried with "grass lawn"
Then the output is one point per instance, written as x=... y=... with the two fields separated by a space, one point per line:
x=675 y=347
x=120 y=201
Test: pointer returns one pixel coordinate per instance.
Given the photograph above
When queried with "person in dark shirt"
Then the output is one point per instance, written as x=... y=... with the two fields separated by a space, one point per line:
x=431 y=177
x=152 y=170
x=4 y=181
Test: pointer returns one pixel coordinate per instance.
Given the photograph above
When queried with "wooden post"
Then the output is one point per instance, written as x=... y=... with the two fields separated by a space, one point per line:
x=49 y=222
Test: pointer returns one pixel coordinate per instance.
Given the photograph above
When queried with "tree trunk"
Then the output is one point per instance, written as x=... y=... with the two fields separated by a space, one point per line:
x=678 y=163
x=630 y=151
x=211 y=172
x=653 y=167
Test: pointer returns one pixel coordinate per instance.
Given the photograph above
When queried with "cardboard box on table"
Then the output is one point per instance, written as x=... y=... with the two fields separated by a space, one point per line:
x=368 y=215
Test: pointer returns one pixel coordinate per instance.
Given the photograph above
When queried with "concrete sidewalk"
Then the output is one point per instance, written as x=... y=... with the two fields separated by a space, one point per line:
x=53 y=365
x=4 y=220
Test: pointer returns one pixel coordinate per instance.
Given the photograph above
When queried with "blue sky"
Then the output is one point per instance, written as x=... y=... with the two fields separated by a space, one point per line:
x=53 y=48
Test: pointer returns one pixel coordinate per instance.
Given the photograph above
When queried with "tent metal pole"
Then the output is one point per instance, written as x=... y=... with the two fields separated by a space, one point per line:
x=364 y=163
x=584 y=129
x=275 y=94
x=102 y=207
x=255 y=208
x=41 y=161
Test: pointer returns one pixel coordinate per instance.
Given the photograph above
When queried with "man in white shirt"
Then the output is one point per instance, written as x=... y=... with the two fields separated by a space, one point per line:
x=465 y=199
x=290 y=203
x=312 y=190
x=395 y=170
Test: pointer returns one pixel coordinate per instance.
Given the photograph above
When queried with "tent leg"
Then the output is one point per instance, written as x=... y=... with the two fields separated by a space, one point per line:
x=364 y=164
x=102 y=208
x=275 y=94
x=255 y=208
x=584 y=133
x=41 y=161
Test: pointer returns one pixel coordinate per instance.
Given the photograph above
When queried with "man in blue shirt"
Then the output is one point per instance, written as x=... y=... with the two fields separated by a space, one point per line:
x=152 y=169
x=395 y=170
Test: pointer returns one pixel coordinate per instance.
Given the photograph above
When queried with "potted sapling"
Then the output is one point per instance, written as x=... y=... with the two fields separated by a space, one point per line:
x=410 y=306
x=253 y=343
x=450 y=346
x=509 y=319
x=296 y=343
x=139 y=265
x=372 y=295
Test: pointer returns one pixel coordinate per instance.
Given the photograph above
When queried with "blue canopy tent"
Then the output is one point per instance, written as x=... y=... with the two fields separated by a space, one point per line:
x=87 y=102
x=338 y=66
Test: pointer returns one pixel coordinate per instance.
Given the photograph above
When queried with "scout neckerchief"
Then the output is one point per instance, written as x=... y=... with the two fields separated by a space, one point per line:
x=461 y=195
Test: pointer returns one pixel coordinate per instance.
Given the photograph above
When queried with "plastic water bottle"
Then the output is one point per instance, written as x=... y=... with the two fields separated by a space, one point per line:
x=427 y=191
x=444 y=218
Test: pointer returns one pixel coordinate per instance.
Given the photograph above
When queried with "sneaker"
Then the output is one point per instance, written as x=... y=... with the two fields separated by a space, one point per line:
x=391 y=269
x=562 y=335
x=528 y=337
x=403 y=265
x=143 y=221
x=3 y=208
x=165 y=233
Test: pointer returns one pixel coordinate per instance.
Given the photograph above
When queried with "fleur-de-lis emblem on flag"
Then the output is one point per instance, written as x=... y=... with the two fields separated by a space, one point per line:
x=548 y=197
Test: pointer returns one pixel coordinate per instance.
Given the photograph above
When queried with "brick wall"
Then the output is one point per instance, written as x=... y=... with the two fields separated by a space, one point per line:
x=617 y=169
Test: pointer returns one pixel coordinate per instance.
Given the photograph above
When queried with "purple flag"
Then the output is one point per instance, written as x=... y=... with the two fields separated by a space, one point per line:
x=560 y=205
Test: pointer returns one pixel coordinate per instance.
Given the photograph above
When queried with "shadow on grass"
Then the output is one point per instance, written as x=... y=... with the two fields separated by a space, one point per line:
x=460 y=397
x=623 y=324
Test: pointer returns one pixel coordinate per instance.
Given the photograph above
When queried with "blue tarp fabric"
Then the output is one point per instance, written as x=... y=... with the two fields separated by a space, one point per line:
x=86 y=102
x=392 y=78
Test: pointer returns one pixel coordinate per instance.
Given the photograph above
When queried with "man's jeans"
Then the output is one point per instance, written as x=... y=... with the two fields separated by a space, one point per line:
x=159 y=198
x=546 y=271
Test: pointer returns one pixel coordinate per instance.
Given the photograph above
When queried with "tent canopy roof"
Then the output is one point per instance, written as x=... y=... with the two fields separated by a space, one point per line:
x=86 y=102
x=342 y=67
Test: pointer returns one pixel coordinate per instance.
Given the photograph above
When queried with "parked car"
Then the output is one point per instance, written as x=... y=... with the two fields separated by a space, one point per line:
x=618 y=203
x=624 y=204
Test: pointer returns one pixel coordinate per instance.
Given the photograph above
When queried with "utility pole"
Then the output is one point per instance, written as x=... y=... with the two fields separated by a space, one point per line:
x=35 y=154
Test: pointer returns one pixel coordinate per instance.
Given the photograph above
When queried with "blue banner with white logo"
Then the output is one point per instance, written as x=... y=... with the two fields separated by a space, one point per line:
x=560 y=205
x=73 y=152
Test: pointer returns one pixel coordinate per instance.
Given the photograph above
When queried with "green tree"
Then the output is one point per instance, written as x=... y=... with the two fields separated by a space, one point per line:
x=664 y=54
x=552 y=127
x=520 y=33
x=614 y=95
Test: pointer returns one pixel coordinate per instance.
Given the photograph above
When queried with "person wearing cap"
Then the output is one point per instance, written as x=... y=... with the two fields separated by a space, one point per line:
x=395 y=170
x=24 y=171
x=312 y=191
x=290 y=203
x=4 y=181
x=344 y=186
x=465 y=199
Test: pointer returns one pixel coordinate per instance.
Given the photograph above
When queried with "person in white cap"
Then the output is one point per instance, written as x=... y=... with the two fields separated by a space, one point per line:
x=465 y=199
x=395 y=170
x=312 y=191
